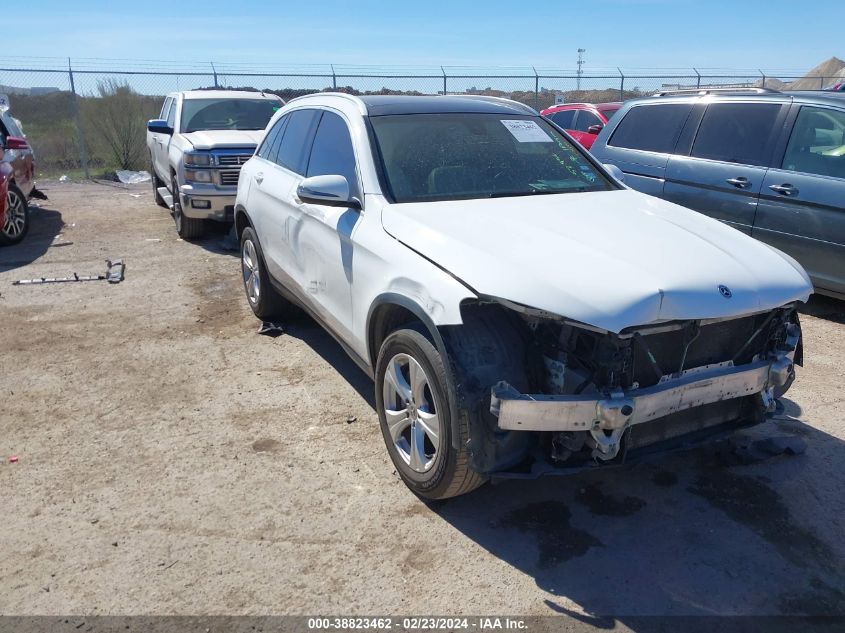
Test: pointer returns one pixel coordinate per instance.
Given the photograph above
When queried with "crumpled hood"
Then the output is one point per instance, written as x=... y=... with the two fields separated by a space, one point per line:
x=211 y=139
x=610 y=259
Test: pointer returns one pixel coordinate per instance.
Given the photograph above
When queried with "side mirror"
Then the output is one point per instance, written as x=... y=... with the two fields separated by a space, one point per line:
x=595 y=129
x=331 y=191
x=614 y=171
x=159 y=126
x=16 y=142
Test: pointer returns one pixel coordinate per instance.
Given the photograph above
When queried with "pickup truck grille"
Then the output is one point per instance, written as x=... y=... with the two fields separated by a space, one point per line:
x=232 y=160
x=229 y=177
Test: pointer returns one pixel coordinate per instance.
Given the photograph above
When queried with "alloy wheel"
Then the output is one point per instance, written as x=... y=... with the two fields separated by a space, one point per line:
x=251 y=272
x=15 y=215
x=411 y=414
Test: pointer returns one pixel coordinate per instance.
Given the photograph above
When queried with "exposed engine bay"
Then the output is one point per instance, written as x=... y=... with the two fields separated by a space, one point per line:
x=596 y=395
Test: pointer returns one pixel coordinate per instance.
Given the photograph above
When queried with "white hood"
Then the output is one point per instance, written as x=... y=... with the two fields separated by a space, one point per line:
x=214 y=139
x=610 y=259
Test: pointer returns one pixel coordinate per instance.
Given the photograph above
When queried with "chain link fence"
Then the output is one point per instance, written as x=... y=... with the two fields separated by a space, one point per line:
x=90 y=116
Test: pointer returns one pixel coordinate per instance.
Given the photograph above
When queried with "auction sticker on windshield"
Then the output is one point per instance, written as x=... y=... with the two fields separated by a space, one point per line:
x=526 y=131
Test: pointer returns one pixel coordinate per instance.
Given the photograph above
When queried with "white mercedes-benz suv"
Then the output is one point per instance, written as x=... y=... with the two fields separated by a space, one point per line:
x=520 y=310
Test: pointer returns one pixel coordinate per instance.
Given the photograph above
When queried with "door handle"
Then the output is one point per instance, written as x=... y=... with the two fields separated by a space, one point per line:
x=785 y=189
x=259 y=178
x=739 y=183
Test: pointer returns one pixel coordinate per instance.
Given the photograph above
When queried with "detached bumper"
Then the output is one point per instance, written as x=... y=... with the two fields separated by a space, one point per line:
x=208 y=202
x=622 y=409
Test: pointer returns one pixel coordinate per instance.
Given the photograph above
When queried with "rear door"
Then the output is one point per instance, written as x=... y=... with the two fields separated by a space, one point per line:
x=802 y=203
x=275 y=188
x=263 y=194
x=641 y=142
x=727 y=162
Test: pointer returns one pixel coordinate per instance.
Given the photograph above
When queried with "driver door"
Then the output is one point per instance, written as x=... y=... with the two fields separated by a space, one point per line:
x=322 y=243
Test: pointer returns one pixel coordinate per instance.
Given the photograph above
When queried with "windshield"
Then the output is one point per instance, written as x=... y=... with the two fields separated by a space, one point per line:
x=461 y=156
x=227 y=114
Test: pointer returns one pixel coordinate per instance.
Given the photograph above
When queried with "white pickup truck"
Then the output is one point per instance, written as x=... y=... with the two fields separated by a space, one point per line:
x=197 y=147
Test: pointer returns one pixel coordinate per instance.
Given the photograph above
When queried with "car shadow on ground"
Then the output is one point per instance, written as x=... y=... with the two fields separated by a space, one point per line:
x=699 y=532
x=217 y=238
x=299 y=325
x=826 y=308
x=713 y=530
x=44 y=225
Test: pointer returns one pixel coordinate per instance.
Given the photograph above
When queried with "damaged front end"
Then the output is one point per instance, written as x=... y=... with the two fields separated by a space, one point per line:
x=594 y=397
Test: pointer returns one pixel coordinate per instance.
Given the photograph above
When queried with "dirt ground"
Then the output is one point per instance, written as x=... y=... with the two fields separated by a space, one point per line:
x=173 y=461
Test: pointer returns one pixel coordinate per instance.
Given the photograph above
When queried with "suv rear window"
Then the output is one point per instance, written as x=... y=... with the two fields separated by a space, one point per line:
x=651 y=128
x=736 y=132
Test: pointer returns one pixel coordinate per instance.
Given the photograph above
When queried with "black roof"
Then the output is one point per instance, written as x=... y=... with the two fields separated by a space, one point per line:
x=382 y=105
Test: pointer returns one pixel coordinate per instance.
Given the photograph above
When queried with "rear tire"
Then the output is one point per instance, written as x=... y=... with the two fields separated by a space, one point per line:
x=187 y=228
x=157 y=182
x=265 y=302
x=16 y=225
x=415 y=415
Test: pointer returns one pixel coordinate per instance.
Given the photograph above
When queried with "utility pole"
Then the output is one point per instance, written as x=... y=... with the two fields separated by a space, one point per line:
x=581 y=52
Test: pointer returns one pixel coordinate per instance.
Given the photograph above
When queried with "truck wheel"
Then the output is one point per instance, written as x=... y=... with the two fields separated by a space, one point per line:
x=16 y=225
x=156 y=184
x=187 y=228
x=416 y=418
x=265 y=302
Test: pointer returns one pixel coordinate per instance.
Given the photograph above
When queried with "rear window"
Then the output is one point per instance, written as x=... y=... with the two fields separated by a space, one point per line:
x=563 y=118
x=296 y=142
x=736 y=132
x=651 y=128
x=608 y=113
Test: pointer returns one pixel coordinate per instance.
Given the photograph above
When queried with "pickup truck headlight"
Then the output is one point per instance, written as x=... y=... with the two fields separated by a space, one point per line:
x=197 y=175
x=197 y=159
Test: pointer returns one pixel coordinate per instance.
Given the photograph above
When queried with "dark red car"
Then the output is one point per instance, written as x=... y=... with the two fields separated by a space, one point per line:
x=583 y=121
x=17 y=181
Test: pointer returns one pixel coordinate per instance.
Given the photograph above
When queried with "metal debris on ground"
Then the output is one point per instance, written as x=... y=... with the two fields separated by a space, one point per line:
x=114 y=274
x=269 y=328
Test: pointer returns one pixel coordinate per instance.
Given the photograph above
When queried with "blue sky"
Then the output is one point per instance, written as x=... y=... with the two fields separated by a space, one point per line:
x=745 y=34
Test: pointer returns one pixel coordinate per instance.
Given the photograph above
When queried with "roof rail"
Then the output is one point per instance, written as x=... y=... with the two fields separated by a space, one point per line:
x=502 y=100
x=708 y=91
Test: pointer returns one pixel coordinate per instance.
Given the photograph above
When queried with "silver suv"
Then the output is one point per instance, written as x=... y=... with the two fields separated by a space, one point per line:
x=770 y=164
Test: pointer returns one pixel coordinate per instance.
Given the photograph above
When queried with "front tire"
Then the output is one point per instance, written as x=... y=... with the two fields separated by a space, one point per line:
x=187 y=228
x=16 y=225
x=415 y=416
x=265 y=302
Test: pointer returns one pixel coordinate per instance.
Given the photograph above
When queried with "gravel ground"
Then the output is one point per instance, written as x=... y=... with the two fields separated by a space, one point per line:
x=173 y=461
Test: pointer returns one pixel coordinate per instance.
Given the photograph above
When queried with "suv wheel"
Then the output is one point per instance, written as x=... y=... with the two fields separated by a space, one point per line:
x=187 y=228
x=416 y=418
x=265 y=302
x=17 y=218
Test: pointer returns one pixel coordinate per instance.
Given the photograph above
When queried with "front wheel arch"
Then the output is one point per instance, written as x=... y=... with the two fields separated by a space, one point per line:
x=242 y=221
x=390 y=312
